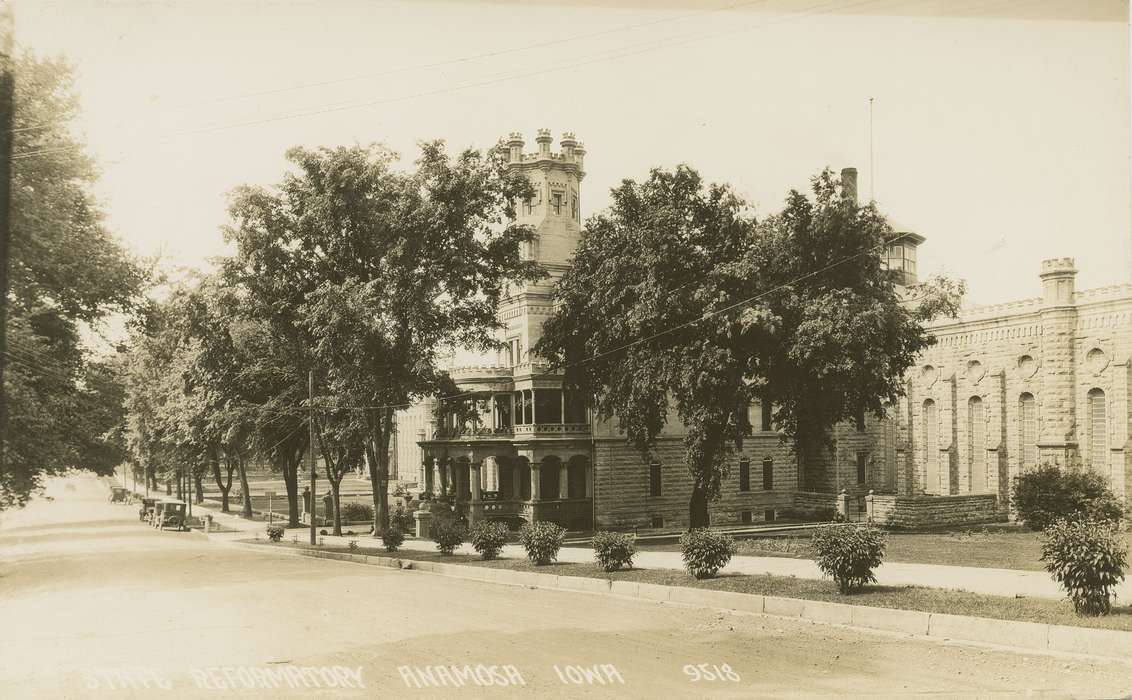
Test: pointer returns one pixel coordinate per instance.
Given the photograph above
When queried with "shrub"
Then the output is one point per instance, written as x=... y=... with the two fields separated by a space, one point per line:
x=614 y=550
x=1049 y=493
x=392 y=539
x=542 y=541
x=849 y=553
x=275 y=532
x=448 y=535
x=322 y=532
x=352 y=544
x=402 y=519
x=488 y=538
x=1087 y=557
x=706 y=551
x=356 y=512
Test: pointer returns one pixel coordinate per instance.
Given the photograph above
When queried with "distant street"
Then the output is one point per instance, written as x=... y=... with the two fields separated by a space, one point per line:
x=96 y=604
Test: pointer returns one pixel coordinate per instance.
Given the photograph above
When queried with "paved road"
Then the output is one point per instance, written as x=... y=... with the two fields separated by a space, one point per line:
x=96 y=605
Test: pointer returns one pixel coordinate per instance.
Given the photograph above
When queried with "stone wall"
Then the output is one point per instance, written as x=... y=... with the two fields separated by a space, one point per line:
x=622 y=484
x=933 y=511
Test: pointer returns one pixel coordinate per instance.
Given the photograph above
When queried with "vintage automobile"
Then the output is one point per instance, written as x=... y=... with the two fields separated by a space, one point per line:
x=146 y=510
x=119 y=494
x=169 y=513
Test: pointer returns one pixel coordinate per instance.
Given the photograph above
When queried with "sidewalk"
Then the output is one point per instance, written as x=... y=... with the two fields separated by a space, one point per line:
x=1000 y=582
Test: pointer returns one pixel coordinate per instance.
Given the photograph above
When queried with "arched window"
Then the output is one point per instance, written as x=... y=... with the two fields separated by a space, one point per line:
x=654 y=478
x=1098 y=432
x=744 y=474
x=1028 y=431
x=931 y=448
x=976 y=445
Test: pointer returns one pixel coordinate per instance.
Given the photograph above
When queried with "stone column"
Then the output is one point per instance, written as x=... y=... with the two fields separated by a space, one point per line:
x=843 y=504
x=563 y=481
x=474 y=480
x=426 y=469
x=534 y=482
x=589 y=480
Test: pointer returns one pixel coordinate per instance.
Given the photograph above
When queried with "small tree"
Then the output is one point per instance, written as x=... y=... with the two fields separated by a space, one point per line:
x=1050 y=493
x=1087 y=557
x=849 y=554
x=488 y=538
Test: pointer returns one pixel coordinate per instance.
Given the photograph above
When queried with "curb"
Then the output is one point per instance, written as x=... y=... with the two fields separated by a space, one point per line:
x=1027 y=636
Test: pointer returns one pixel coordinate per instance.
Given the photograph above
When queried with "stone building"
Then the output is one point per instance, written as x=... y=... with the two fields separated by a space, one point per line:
x=1004 y=388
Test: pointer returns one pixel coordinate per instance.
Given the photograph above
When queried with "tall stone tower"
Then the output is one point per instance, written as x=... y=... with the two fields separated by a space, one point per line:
x=1058 y=414
x=555 y=214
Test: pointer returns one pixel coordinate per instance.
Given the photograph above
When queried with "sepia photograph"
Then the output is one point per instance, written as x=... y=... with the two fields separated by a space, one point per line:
x=565 y=349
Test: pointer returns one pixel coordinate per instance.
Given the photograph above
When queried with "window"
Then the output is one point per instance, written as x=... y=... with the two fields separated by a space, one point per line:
x=931 y=448
x=528 y=407
x=657 y=522
x=768 y=474
x=654 y=478
x=548 y=406
x=744 y=475
x=862 y=468
x=517 y=399
x=745 y=517
x=976 y=445
x=766 y=409
x=503 y=410
x=556 y=202
x=574 y=205
x=1098 y=432
x=529 y=206
x=768 y=515
x=1028 y=432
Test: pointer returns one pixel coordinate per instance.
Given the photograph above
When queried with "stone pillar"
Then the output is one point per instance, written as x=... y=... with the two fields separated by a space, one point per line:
x=426 y=468
x=843 y=504
x=474 y=480
x=534 y=482
x=563 y=481
x=422 y=520
x=869 y=506
x=589 y=479
x=1057 y=412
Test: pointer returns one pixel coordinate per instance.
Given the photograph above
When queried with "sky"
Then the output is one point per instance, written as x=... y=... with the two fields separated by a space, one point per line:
x=1000 y=128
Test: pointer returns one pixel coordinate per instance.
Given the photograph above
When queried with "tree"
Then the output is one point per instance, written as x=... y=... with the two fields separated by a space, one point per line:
x=374 y=271
x=67 y=273
x=341 y=438
x=678 y=298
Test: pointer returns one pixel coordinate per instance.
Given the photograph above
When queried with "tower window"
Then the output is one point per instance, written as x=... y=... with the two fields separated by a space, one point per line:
x=862 y=468
x=1098 y=432
x=654 y=478
x=768 y=474
x=529 y=206
x=574 y=206
x=556 y=202
x=744 y=475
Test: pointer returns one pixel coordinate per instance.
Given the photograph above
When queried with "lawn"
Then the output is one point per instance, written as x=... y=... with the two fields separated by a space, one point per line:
x=903 y=597
x=992 y=546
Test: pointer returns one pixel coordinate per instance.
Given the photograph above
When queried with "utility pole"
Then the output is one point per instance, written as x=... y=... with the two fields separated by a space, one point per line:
x=310 y=451
x=7 y=107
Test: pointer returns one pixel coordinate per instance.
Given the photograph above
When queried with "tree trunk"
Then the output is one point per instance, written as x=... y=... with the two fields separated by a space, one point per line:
x=168 y=487
x=180 y=485
x=198 y=477
x=335 y=487
x=290 y=469
x=214 y=461
x=377 y=453
x=698 y=506
x=242 y=466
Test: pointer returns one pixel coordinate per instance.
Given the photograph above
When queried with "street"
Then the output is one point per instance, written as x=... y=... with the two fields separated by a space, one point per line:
x=96 y=604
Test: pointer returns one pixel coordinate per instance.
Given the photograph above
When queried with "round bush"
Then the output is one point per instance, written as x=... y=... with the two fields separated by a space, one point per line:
x=614 y=550
x=392 y=539
x=1087 y=557
x=275 y=532
x=448 y=535
x=706 y=551
x=542 y=540
x=488 y=538
x=1049 y=493
x=848 y=553
x=355 y=512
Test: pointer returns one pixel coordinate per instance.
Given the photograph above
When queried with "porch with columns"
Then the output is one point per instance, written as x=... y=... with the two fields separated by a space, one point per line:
x=522 y=486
